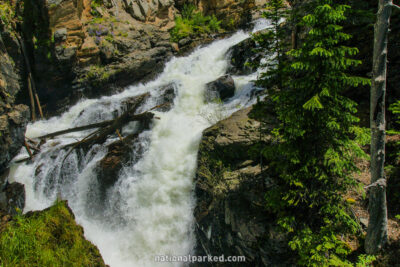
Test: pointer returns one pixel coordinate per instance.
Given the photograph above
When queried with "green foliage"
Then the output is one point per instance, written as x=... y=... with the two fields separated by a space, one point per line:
x=365 y=260
x=95 y=4
x=98 y=73
x=395 y=109
x=193 y=23
x=188 y=11
x=392 y=168
x=49 y=238
x=317 y=140
x=6 y=15
x=272 y=43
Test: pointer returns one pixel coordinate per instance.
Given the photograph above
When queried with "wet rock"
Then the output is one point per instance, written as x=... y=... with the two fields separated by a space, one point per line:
x=111 y=164
x=223 y=88
x=12 y=133
x=185 y=41
x=119 y=153
x=15 y=193
x=122 y=151
x=241 y=55
x=166 y=98
x=12 y=198
x=129 y=102
x=229 y=188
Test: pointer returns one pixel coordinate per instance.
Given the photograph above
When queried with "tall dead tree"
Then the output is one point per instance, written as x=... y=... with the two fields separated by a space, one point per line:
x=377 y=227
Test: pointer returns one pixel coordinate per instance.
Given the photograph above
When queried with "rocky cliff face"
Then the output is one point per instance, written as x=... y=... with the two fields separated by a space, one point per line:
x=94 y=47
x=85 y=47
x=229 y=188
x=13 y=117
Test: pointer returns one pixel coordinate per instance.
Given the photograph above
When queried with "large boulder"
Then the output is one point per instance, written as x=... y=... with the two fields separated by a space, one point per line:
x=49 y=237
x=243 y=58
x=125 y=150
x=119 y=154
x=166 y=98
x=12 y=198
x=230 y=185
x=222 y=88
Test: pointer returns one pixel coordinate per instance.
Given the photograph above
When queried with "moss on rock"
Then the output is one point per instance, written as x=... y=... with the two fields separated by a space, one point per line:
x=47 y=238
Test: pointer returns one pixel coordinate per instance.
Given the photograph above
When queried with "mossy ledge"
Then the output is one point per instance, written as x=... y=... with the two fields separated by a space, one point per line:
x=46 y=238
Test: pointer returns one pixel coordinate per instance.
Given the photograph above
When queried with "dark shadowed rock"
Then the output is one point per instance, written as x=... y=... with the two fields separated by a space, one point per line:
x=229 y=187
x=119 y=153
x=223 y=88
x=13 y=117
x=12 y=197
x=129 y=102
x=166 y=98
x=184 y=41
x=241 y=55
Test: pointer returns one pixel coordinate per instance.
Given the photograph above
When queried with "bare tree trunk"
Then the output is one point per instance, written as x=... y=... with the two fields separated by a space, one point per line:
x=31 y=97
x=295 y=27
x=377 y=226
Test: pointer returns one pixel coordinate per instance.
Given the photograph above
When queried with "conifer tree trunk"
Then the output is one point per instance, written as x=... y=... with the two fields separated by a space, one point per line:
x=377 y=227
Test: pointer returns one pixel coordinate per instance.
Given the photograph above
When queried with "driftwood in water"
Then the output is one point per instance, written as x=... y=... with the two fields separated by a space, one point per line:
x=77 y=129
x=119 y=135
x=100 y=136
x=28 y=149
x=136 y=103
x=104 y=130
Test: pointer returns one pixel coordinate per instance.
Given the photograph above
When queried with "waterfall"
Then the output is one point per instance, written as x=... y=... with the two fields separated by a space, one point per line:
x=149 y=210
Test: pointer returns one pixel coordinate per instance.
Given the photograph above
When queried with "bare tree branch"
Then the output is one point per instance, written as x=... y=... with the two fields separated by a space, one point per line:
x=394 y=5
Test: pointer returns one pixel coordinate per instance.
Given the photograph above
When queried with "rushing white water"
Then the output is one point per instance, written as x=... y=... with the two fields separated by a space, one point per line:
x=149 y=210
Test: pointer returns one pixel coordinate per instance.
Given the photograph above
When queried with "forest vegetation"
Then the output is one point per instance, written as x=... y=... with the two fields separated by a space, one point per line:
x=327 y=112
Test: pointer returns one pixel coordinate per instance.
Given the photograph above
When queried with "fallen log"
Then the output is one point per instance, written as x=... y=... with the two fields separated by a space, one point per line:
x=100 y=136
x=105 y=128
x=137 y=101
x=77 y=129
x=28 y=149
x=119 y=135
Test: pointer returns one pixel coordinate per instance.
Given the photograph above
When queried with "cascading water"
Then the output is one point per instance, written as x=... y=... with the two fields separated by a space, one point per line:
x=149 y=210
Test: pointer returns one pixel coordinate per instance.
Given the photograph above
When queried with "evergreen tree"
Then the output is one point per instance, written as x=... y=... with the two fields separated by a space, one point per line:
x=272 y=43
x=317 y=138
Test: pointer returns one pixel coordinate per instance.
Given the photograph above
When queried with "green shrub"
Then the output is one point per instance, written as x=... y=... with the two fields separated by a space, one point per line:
x=47 y=238
x=6 y=15
x=188 y=11
x=193 y=23
x=94 y=5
